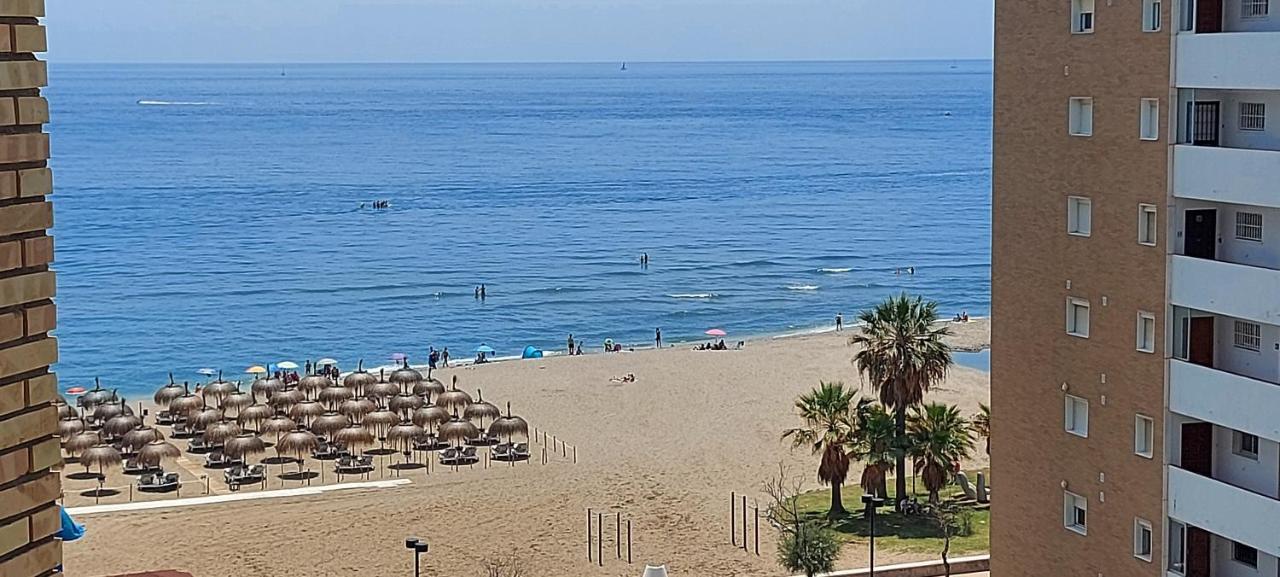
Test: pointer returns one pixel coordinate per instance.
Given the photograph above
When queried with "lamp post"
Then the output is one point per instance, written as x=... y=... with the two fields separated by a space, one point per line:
x=872 y=502
x=418 y=546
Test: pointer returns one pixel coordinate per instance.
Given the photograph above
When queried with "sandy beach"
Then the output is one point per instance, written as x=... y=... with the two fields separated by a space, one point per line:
x=666 y=451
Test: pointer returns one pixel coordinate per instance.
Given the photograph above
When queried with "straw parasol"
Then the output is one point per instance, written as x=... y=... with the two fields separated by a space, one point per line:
x=139 y=437
x=97 y=396
x=380 y=421
x=168 y=393
x=185 y=403
x=106 y=411
x=253 y=415
x=509 y=425
x=405 y=403
x=286 y=398
x=153 y=453
x=354 y=437
x=102 y=456
x=382 y=388
x=243 y=445
x=428 y=389
x=297 y=444
x=81 y=441
x=120 y=424
x=403 y=434
x=334 y=396
x=311 y=384
x=453 y=399
x=306 y=411
x=329 y=423
x=217 y=433
x=237 y=401
x=481 y=410
x=219 y=390
x=203 y=418
x=359 y=379
x=430 y=416
x=265 y=387
x=278 y=425
x=458 y=430
x=405 y=377
x=69 y=427
x=66 y=411
x=357 y=408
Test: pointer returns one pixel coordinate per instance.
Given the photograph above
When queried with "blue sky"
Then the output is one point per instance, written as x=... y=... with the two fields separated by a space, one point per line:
x=515 y=30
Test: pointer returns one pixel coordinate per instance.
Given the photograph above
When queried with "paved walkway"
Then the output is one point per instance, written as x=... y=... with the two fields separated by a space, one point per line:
x=231 y=497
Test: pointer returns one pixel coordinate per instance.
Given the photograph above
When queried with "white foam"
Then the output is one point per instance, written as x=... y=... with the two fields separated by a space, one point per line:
x=834 y=270
x=172 y=103
x=693 y=295
x=802 y=287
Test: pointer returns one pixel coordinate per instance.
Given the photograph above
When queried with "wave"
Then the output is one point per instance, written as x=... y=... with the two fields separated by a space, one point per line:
x=802 y=287
x=834 y=270
x=173 y=103
x=693 y=295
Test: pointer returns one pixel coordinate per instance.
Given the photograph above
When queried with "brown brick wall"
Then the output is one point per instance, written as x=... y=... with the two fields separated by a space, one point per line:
x=1039 y=65
x=29 y=449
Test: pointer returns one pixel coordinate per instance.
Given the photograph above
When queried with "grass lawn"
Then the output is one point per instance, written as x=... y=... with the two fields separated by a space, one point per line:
x=896 y=532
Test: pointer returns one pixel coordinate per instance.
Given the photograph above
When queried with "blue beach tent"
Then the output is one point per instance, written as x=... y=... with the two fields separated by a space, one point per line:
x=531 y=352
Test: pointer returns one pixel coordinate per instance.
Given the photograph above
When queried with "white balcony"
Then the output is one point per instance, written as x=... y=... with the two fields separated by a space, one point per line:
x=1227 y=399
x=1241 y=60
x=1225 y=510
x=1224 y=288
x=1232 y=175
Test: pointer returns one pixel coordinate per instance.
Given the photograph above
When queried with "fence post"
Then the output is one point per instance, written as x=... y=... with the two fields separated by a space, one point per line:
x=733 y=518
x=628 y=541
x=600 y=539
x=744 y=522
x=588 y=527
x=575 y=454
x=617 y=534
x=757 y=509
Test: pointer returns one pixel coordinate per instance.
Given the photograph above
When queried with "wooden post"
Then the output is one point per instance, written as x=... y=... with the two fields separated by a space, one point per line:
x=733 y=518
x=575 y=454
x=757 y=509
x=588 y=530
x=600 y=539
x=617 y=534
x=628 y=541
x=564 y=449
x=744 y=522
x=130 y=492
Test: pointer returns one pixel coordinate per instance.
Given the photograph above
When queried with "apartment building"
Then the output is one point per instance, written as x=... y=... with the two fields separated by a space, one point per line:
x=1136 y=288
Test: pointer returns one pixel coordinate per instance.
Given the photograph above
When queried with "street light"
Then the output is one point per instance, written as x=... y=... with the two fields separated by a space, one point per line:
x=872 y=502
x=419 y=547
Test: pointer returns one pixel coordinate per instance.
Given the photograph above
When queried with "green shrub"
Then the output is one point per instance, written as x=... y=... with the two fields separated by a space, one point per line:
x=811 y=548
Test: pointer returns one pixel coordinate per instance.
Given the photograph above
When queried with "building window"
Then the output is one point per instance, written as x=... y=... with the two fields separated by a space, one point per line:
x=1143 y=436
x=1177 y=547
x=1248 y=336
x=1147 y=224
x=1075 y=511
x=1078 y=317
x=1149 y=119
x=1249 y=226
x=1080 y=116
x=1142 y=539
x=1151 y=15
x=1077 y=416
x=1254 y=8
x=1081 y=16
x=1079 y=216
x=1253 y=116
x=1244 y=445
x=1146 y=332
x=1244 y=554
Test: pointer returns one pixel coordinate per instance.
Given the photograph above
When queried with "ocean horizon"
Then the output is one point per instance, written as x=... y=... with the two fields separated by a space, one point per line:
x=220 y=215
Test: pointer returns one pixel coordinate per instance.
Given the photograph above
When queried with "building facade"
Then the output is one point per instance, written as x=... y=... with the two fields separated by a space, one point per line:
x=1136 y=288
x=29 y=449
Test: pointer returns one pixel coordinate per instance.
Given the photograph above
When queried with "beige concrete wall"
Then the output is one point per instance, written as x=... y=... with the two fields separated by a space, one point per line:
x=1039 y=65
x=29 y=448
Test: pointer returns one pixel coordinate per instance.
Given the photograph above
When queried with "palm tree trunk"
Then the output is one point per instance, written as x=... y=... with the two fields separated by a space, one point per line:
x=900 y=431
x=837 y=504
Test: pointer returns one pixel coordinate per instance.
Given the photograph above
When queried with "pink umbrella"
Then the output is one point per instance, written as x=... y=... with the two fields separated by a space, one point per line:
x=716 y=333
x=398 y=356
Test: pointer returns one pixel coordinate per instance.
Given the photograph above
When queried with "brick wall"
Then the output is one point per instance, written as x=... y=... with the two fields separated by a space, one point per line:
x=28 y=420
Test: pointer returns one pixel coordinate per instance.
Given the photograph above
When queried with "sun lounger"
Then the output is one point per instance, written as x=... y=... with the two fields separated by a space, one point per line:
x=180 y=430
x=132 y=467
x=198 y=446
x=240 y=474
x=469 y=456
x=164 y=418
x=328 y=452
x=501 y=452
x=159 y=482
x=430 y=443
x=219 y=460
x=520 y=451
x=349 y=465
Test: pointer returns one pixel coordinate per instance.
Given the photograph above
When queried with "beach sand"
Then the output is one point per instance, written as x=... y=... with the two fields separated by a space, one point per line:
x=666 y=451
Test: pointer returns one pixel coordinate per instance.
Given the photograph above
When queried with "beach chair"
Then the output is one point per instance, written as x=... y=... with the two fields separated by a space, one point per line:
x=326 y=452
x=180 y=430
x=520 y=451
x=469 y=456
x=133 y=467
x=450 y=456
x=963 y=481
x=164 y=418
x=198 y=446
x=219 y=460
x=501 y=452
x=158 y=482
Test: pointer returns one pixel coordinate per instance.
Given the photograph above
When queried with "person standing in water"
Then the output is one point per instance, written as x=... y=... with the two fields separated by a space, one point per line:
x=839 y=322
x=482 y=292
x=657 y=337
x=570 y=344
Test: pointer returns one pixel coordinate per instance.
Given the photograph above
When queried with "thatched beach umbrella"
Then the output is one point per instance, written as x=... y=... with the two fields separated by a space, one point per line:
x=405 y=403
x=184 y=404
x=81 y=441
x=334 y=396
x=312 y=384
x=106 y=411
x=243 y=445
x=481 y=411
x=153 y=453
x=509 y=426
x=428 y=389
x=357 y=408
x=252 y=416
x=237 y=401
x=329 y=423
x=457 y=430
x=118 y=425
x=379 y=421
x=100 y=456
x=430 y=416
x=69 y=427
x=203 y=418
x=383 y=388
x=297 y=444
x=218 y=433
x=405 y=377
x=354 y=437
x=219 y=390
x=283 y=399
x=66 y=411
x=97 y=396
x=139 y=437
x=453 y=399
x=403 y=434
x=359 y=379
x=168 y=393
x=306 y=411
x=264 y=387
x=278 y=425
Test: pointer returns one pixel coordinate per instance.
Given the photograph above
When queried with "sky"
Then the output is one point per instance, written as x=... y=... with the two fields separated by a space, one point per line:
x=235 y=31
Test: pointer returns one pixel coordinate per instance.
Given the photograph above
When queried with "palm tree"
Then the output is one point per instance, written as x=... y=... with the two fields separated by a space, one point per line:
x=829 y=424
x=940 y=438
x=903 y=355
x=873 y=444
x=981 y=424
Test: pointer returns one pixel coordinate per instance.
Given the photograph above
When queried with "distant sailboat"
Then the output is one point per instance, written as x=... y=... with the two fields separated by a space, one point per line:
x=282 y=71
x=624 y=66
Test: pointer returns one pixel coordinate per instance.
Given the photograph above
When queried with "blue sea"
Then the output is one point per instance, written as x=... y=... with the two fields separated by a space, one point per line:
x=211 y=216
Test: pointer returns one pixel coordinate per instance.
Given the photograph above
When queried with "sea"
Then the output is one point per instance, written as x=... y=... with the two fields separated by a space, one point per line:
x=222 y=216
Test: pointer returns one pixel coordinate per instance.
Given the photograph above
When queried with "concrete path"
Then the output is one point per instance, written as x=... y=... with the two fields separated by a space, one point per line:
x=231 y=497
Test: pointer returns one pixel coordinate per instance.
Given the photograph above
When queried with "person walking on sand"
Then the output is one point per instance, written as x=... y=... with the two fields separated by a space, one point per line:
x=839 y=322
x=444 y=357
x=657 y=338
x=570 y=344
